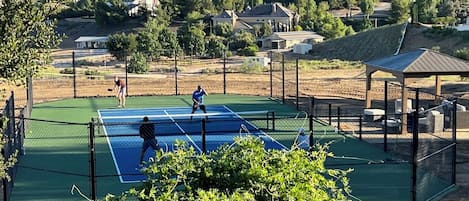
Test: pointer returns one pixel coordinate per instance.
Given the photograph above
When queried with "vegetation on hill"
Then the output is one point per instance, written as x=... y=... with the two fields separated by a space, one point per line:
x=363 y=46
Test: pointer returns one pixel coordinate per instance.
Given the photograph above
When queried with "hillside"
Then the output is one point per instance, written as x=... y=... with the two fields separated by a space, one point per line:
x=415 y=38
x=363 y=46
x=384 y=41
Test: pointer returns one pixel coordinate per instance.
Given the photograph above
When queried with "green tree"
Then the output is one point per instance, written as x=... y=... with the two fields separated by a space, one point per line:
x=169 y=42
x=241 y=40
x=427 y=10
x=110 y=12
x=367 y=7
x=400 y=11
x=447 y=8
x=86 y=7
x=138 y=63
x=215 y=47
x=223 y=29
x=191 y=38
x=27 y=37
x=263 y=30
x=244 y=171
x=121 y=45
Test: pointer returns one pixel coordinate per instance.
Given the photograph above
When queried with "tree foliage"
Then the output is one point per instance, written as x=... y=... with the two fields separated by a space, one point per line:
x=241 y=40
x=138 y=63
x=426 y=10
x=121 y=45
x=215 y=47
x=191 y=38
x=242 y=171
x=110 y=12
x=27 y=37
x=400 y=10
x=367 y=7
x=223 y=29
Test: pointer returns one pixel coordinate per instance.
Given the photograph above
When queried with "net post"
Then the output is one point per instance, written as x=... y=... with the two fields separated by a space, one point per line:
x=74 y=76
x=386 y=116
x=360 y=127
x=22 y=134
x=92 y=159
x=330 y=114
x=204 y=135
x=311 y=133
x=338 y=118
x=454 y=132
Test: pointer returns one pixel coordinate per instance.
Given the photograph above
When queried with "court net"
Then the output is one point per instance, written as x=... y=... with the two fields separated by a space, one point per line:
x=176 y=124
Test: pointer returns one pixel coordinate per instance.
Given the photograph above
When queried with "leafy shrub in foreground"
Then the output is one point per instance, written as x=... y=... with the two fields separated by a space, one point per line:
x=242 y=171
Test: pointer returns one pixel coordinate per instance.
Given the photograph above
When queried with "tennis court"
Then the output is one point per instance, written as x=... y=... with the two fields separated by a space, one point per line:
x=57 y=151
x=174 y=123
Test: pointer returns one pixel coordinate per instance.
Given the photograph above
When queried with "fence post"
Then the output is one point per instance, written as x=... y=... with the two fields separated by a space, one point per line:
x=224 y=72
x=330 y=114
x=92 y=160
x=311 y=132
x=415 y=145
x=204 y=142
x=311 y=104
x=176 y=72
x=74 y=76
x=3 y=152
x=126 y=76
x=338 y=118
x=297 y=86
x=283 y=78
x=360 y=127
x=271 y=67
x=385 y=116
x=454 y=131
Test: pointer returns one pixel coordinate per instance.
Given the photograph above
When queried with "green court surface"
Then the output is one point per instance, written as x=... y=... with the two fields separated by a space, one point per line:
x=57 y=153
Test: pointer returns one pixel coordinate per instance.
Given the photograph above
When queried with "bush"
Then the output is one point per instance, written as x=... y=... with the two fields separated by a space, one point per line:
x=66 y=71
x=242 y=171
x=138 y=64
x=462 y=53
x=248 y=51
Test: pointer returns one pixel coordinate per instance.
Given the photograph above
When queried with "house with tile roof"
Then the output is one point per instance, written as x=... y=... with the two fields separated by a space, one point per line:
x=279 y=17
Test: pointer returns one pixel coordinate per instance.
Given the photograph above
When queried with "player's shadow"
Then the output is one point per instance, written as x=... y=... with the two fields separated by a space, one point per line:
x=185 y=101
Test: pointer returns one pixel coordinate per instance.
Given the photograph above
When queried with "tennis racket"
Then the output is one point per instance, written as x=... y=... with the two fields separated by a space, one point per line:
x=109 y=89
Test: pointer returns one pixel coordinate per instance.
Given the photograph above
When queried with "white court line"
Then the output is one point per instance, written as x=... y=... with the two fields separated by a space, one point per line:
x=113 y=155
x=183 y=131
x=262 y=132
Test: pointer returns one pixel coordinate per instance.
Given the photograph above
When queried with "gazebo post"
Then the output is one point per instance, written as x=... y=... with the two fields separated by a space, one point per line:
x=368 y=89
x=437 y=89
x=404 y=97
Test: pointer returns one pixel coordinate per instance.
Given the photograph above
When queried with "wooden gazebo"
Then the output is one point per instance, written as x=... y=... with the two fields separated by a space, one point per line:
x=420 y=63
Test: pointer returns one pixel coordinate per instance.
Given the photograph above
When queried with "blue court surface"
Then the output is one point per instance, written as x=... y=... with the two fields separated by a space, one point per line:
x=171 y=124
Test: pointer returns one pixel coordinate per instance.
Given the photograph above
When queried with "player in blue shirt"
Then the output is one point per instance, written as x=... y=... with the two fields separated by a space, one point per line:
x=198 y=99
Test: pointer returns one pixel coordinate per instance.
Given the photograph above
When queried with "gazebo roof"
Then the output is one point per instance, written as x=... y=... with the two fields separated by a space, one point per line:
x=420 y=63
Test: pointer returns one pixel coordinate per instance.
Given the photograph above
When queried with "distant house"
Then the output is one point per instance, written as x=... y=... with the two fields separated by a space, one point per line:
x=251 y=61
x=286 y=40
x=91 y=42
x=302 y=48
x=276 y=15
